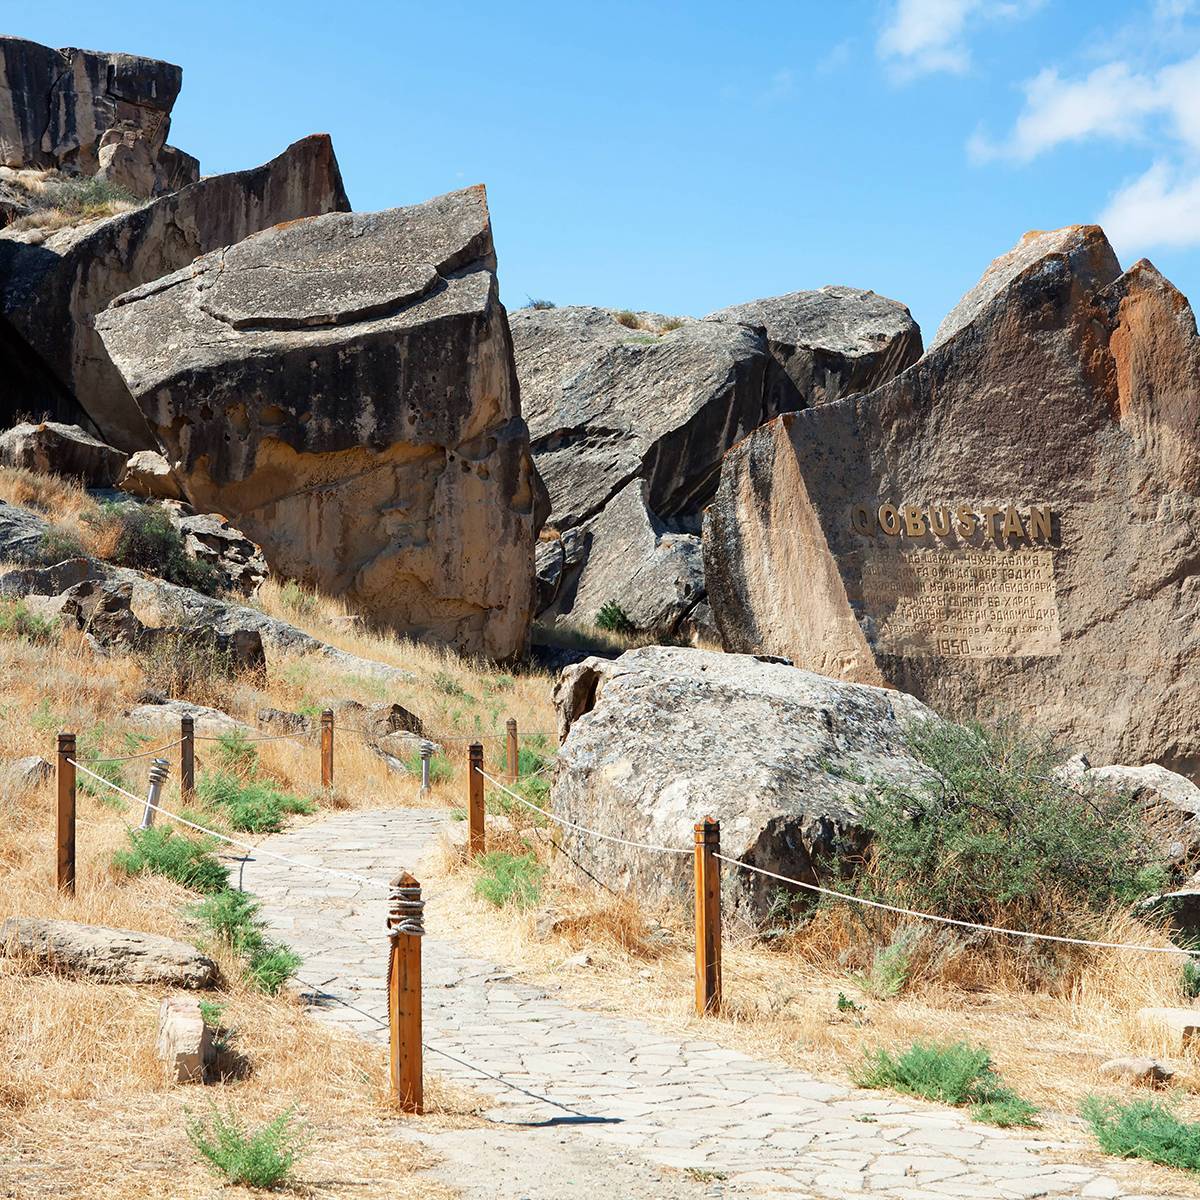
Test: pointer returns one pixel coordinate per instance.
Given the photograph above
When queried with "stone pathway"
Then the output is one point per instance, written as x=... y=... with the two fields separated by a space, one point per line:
x=586 y=1099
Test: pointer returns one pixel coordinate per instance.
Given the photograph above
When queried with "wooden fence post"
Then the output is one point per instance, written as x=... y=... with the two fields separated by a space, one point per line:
x=708 y=917
x=327 y=749
x=65 y=818
x=405 y=929
x=513 y=755
x=187 y=758
x=474 y=800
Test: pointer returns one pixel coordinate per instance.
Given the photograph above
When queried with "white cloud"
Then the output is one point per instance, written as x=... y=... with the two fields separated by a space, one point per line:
x=926 y=36
x=1162 y=208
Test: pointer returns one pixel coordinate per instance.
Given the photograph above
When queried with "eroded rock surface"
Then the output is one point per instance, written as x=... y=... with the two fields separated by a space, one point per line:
x=662 y=737
x=343 y=389
x=630 y=415
x=81 y=110
x=52 y=448
x=1011 y=526
x=52 y=286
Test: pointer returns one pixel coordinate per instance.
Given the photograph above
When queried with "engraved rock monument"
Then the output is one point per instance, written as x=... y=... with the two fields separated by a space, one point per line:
x=1008 y=527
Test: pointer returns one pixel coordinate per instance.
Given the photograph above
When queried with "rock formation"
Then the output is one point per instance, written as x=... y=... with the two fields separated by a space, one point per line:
x=662 y=737
x=89 y=113
x=52 y=286
x=51 y=448
x=630 y=414
x=1010 y=526
x=343 y=389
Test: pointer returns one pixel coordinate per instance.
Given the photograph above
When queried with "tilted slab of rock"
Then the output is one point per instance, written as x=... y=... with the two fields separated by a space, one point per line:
x=52 y=286
x=343 y=389
x=52 y=448
x=828 y=343
x=617 y=400
x=662 y=737
x=107 y=955
x=58 y=108
x=1011 y=526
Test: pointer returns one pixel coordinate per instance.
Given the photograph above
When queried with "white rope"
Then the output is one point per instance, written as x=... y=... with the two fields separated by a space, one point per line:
x=277 y=737
x=924 y=916
x=607 y=837
x=255 y=850
x=892 y=908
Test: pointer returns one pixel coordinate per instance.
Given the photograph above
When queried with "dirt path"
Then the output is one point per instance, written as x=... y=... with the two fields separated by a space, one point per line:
x=585 y=1100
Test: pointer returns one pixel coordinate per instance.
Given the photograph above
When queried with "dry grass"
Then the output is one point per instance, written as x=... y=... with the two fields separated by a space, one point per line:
x=781 y=997
x=78 y=1055
x=59 y=200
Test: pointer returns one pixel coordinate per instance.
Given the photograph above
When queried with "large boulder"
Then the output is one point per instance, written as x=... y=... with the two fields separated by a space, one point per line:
x=69 y=109
x=52 y=286
x=1012 y=526
x=343 y=389
x=662 y=737
x=106 y=955
x=829 y=343
x=52 y=448
x=630 y=415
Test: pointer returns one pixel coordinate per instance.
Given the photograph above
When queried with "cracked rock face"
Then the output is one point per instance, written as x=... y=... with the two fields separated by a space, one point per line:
x=647 y=752
x=52 y=287
x=78 y=110
x=342 y=388
x=1012 y=526
x=635 y=411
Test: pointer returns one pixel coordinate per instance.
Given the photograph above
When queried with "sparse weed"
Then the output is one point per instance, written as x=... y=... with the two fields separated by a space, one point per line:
x=57 y=545
x=17 y=621
x=160 y=851
x=251 y=805
x=1143 y=1129
x=259 y=1158
x=232 y=916
x=506 y=879
x=614 y=619
x=627 y=318
x=953 y=1073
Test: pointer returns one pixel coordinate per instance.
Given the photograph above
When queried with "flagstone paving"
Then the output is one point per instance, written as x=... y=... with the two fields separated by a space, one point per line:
x=586 y=1099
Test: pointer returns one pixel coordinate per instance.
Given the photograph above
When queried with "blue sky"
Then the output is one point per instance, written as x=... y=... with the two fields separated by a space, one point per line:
x=681 y=157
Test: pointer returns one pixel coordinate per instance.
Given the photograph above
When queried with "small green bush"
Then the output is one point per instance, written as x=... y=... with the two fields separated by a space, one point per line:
x=890 y=967
x=259 y=1158
x=449 y=686
x=440 y=769
x=232 y=917
x=506 y=879
x=211 y=1013
x=1189 y=979
x=235 y=752
x=147 y=540
x=953 y=1073
x=998 y=832
x=614 y=619
x=159 y=851
x=251 y=805
x=57 y=545
x=16 y=621
x=84 y=196
x=1143 y=1129
x=298 y=599
x=541 y=304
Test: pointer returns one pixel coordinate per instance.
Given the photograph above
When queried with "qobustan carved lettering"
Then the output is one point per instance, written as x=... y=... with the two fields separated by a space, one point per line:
x=1002 y=524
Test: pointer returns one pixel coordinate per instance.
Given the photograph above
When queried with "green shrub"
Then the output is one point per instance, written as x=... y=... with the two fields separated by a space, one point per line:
x=232 y=917
x=506 y=879
x=188 y=663
x=1189 y=979
x=251 y=805
x=57 y=545
x=999 y=830
x=211 y=1013
x=541 y=304
x=953 y=1073
x=449 y=686
x=16 y=621
x=440 y=769
x=1143 y=1129
x=159 y=851
x=84 y=196
x=146 y=539
x=298 y=599
x=890 y=967
x=846 y=1005
x=259 y=1158
x=614 y=619
x=235 y=752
